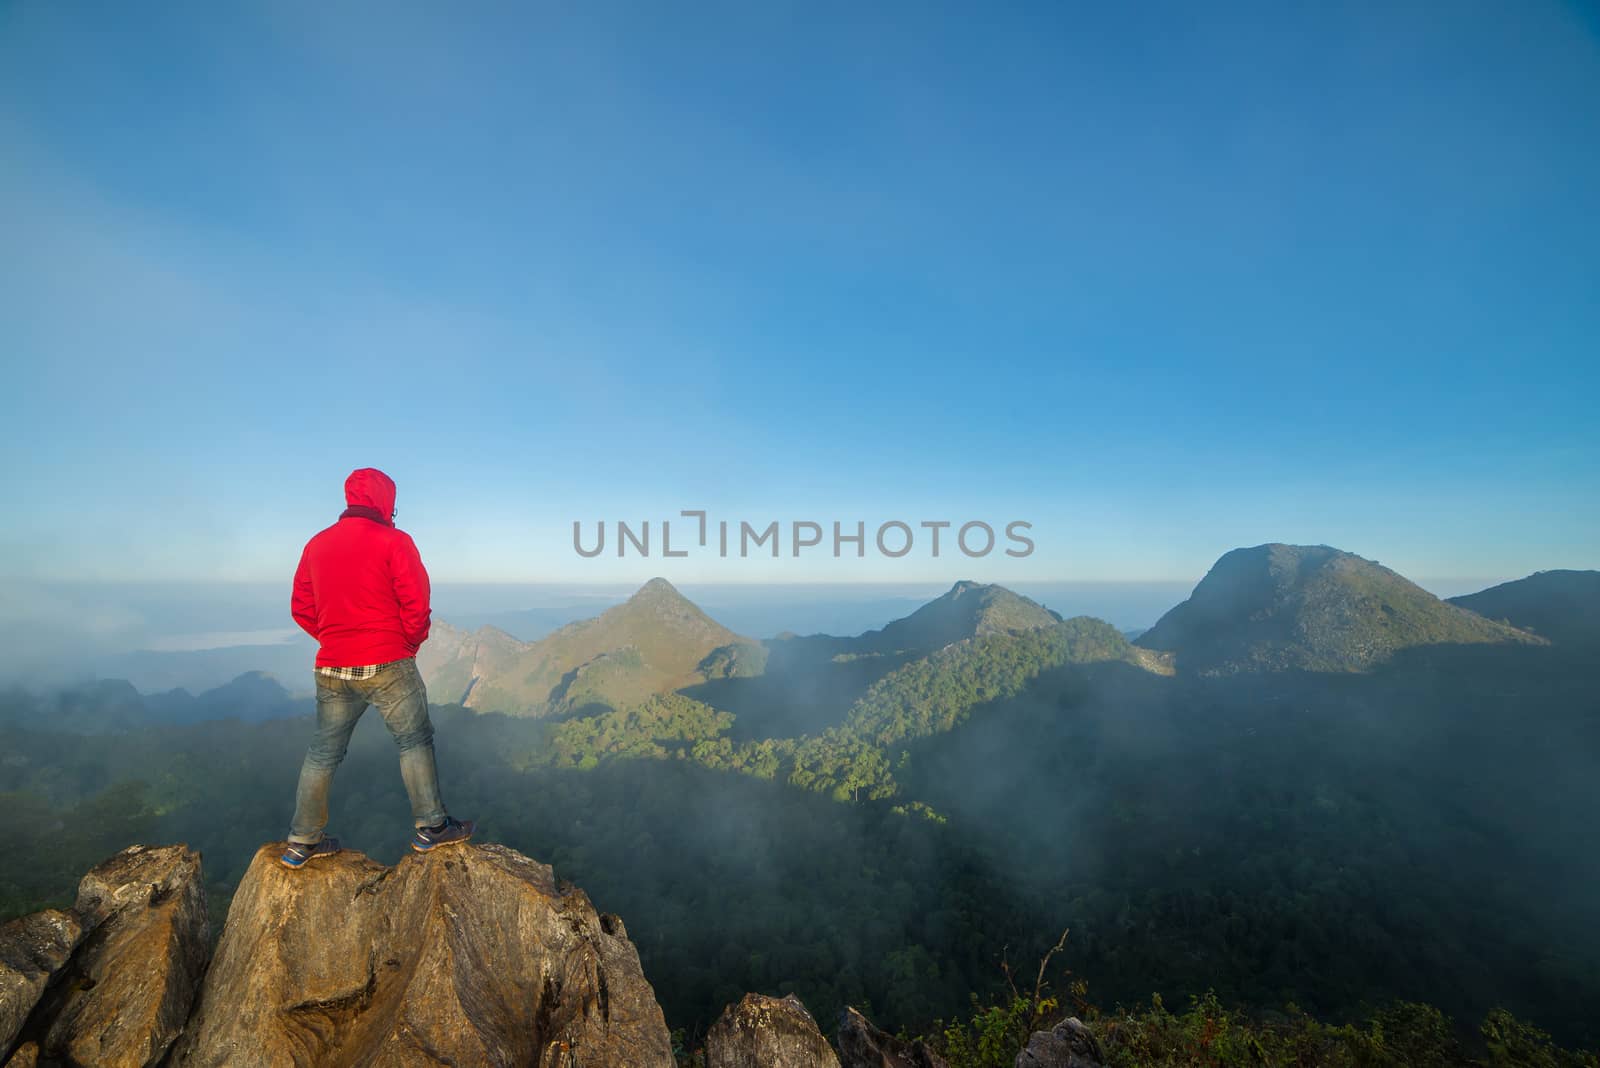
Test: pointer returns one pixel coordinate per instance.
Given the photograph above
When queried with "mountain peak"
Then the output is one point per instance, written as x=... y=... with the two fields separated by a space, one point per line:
x=656 y=641
x=254 y=682
x=488 y=632
x=1308 y=607
x=660 y=604
x=657 y=587
x=968 y=609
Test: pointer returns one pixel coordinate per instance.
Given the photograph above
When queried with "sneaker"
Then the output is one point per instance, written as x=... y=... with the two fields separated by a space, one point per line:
x=298 y=853
x=453 y=831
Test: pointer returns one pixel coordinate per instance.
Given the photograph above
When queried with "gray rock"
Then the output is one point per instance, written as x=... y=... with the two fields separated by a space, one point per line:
x=33 y=951
x=861 y=1045
x=1070 y=1044
x=467 y=955
x=763 y=1032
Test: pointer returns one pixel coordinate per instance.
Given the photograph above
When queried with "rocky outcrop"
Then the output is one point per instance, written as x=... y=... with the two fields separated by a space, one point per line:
x=26 y=1056
x=471 y=955
x=861 y=1045
x=1070 y=1044
x=128 y=990
x=765 y=1032
x=33 y=951
x=113 y=978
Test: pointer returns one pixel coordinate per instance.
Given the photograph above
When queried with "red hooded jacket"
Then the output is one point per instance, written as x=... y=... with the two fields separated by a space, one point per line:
x=361 y=589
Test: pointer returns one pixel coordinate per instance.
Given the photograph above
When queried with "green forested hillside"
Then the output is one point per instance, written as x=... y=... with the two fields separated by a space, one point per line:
x=850 y=761
x=1336 y=847
x=1309 y=608
x=1559 y=606
x=966 y=610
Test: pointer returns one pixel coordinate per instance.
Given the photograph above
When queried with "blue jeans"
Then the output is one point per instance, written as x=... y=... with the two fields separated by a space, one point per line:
x=398 y=692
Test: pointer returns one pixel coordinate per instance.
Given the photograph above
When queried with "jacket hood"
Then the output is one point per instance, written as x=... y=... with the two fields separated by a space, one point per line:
x=367 y=487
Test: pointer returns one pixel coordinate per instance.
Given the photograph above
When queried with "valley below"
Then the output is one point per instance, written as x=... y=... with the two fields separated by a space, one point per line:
x=1313 y=785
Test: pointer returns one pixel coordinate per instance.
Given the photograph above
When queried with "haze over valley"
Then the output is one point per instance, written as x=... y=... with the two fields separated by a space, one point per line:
x=1310 y=780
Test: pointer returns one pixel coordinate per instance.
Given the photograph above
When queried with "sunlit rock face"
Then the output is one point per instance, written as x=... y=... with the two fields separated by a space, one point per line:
x=468 y=955
x=115 y=976
x=766 y=1032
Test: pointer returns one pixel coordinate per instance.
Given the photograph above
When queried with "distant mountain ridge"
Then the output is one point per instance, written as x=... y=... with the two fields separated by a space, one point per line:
x=967 y=610
x=1263 y=608
x=1560 y=606
x=660 y=642
x=657 y=641
x=102 y=706
x=1312 y=608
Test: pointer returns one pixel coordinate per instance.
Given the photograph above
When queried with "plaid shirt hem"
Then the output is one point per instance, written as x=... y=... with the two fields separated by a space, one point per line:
x=353 y=674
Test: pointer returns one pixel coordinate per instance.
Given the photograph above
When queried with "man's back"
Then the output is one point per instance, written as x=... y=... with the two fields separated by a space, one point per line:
x=362 y=592
x=360 y=588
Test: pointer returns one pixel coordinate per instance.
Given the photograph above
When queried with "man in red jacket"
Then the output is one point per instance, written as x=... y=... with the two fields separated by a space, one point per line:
x=361 y=591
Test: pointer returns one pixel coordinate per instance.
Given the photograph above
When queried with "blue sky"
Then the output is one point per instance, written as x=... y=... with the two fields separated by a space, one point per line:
x=1161 y=282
